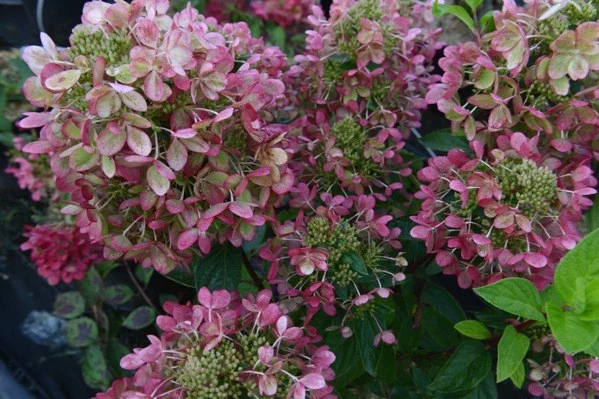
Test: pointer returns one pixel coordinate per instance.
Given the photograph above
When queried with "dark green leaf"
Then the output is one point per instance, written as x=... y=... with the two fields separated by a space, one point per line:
x=104 y=268
x=514 y=295
x=220 y=269
x=438 y=331
x=144 y=274
x=356 y=262
x=574 y=335
x=473 y=329
x=94 y=370
x=592 y=215
x=347 y=365
x=140 y=318
x=466 y=368
x=6 y=136
x=81 y=332
x=487 y=389
x=114 y=353
x=443 y=302
x=69 y=305
x=117 y=294
x=444 y=140
x=91 y=286
x=182 y=276
x=510 y=352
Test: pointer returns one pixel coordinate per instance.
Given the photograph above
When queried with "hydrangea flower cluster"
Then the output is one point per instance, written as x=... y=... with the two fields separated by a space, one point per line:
x=559 y=374
x=60 y=252
x=284 y=12
x=359 y=87
x=531 y=119
x=31 y=171
x=340 y=257
x=510 y=212
x=535 y=73
x=160 y=129
x=227 y=347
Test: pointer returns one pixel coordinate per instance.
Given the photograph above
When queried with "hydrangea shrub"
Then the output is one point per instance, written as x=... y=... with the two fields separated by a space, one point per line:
x=269 y=161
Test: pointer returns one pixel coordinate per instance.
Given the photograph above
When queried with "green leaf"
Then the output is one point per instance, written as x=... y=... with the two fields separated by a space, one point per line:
x=487 y=389
x=591 y=295
x=438 y=331
x=347 y=367
x=276 y=34
x=593 y=350
x=441 y=9
x=574 y=335
x=487 y=22
x=114 y=353
x=6 y=137
x=139 y=318
x=444 y=140
x=182 y=276
x=81 y=332
x=473 y=4
x=443 y=302
x=592 y=215
x=94 y=369
x=510 y=352
x=466 y=368
x=518 y=376
x=473 y=329
x=356 y=262
x=144 y=274
x=104 y=268
x=220 y=269
x=69 y=305
x=117 y=294
x=91 y=286
x=514 y=295
x=365 y=331
x=580 y=262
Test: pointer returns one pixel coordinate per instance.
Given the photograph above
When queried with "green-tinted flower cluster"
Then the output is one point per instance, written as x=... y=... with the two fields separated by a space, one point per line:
x=346 y=31
x=113 y=47
x=527 y=186
x=211 y=374
x=341 y=240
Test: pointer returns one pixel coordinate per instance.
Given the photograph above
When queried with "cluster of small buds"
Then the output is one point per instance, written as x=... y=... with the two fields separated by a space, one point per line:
x=160 y=129
x=227 y=347
x=60 y=252
x=510 y=212
x=32 y=171
x=359 y=93
x=341 y=257
x=536 y=72
x=561 y=375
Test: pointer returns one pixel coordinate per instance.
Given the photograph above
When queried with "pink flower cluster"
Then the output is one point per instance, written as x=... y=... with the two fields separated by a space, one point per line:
x=532 y=121
x=340 y=257
x=512 y=211
x=359 y=87
x=160 y=129
x=284 y=12
x=31 y=171
x=227 y=347
x=561 y=375
x=533 y=73
x=60 y=252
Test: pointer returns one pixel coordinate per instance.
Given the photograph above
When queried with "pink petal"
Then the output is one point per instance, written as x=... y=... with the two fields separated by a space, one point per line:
x=313 y=381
